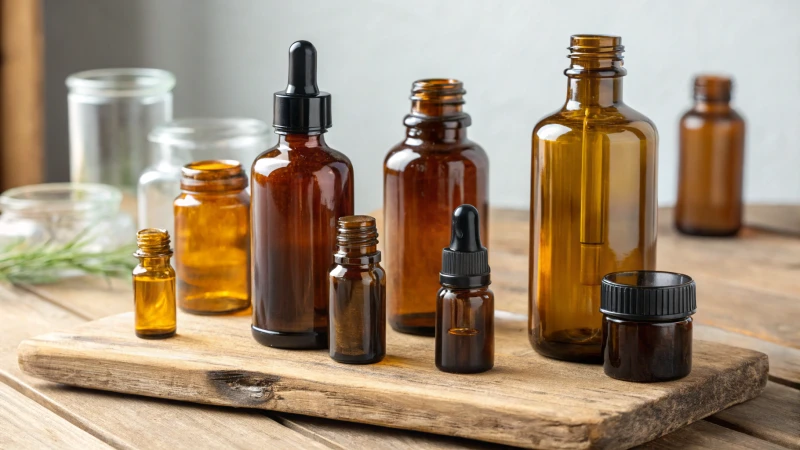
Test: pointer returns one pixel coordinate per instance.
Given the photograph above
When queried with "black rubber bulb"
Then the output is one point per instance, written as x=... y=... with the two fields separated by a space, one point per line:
x=465 y=230
x=302 y=69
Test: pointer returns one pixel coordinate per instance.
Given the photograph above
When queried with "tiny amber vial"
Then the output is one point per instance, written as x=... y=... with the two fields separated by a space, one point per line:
x=465 y=304
x=357 y=294
x=154 y=286
x=212 y=238
x=647 y=325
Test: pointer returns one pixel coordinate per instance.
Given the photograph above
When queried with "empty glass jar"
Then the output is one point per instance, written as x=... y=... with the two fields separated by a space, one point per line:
x=182 y=141
x=110 y=113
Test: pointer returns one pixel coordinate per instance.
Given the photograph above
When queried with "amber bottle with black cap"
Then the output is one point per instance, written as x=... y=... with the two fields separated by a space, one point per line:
x=465 y=304
x=647 y=325
x=430 y=173
x=299 y=189
x=711 y=162
x=593 y=201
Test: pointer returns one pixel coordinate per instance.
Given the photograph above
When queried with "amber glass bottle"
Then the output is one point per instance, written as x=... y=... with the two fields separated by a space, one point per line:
x=465 y=304
x=711 y=162
x=358 y=294
x=212 y=238
x=426 y=176
x=593 y=201
x=154 y=286
x=300 y=188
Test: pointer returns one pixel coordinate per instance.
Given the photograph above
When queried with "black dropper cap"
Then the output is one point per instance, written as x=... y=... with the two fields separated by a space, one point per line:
x=302 y=108
x=465 y=264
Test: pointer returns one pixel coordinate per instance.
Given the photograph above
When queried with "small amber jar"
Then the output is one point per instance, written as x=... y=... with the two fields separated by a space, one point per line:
x=426 y=176
x=711 y=162
x=212 y=238
x=358 y=294
x=154 y=286
x=647 y=325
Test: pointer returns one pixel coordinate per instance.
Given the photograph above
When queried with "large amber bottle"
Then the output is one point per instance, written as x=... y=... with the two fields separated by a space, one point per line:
x=427 y=176
x=299 y=189
x=593 y=201
x=711 y=162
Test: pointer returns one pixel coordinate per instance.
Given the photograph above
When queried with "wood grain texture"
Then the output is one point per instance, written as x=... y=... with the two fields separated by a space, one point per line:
x=25 y=425
x=21 y=85
x=773 y=416
x=706 y=435
x=125 y=421
x=527 y=400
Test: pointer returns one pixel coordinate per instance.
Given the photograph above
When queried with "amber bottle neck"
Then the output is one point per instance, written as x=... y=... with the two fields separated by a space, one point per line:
x=437 y=112
x=588 y=91
x=357 y=241
x=297 y=140
x=707 y=106
x=154 y=262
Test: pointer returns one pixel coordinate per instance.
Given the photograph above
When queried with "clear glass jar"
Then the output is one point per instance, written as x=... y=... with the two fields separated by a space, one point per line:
x=56 y=214
x=111 y=111
x=185 y=140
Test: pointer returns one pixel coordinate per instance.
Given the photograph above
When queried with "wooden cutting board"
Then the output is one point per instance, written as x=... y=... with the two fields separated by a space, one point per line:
x=526 y=400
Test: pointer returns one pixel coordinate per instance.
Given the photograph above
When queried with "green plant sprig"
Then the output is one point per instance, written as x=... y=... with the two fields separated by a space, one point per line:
x=48 y=262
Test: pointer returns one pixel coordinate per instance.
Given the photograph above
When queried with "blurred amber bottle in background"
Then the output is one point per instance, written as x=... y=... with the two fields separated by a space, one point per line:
x=429 y=174
x=154 y=286
x=711 y=162
x=212 y=238
x=593 y=201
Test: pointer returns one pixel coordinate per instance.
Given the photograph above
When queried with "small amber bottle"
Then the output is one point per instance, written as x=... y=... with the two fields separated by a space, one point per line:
x=358 y=294
x=465 y=304
x=212 y=238
x=154 y=286
x=593 y=201
x=300 y=188
x=711 y=162
x=647 y=325
x=426 y=176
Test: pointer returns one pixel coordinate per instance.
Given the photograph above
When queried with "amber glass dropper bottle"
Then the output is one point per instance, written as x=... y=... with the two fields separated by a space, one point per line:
x=429 y=174
x=465 y=304
x=154 y=286
x=711 y=162
x=299 y=189
x=593 y=201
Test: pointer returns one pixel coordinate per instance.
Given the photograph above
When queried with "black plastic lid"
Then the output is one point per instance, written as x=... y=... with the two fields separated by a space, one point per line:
x=465 y=264
x=301 y=107
x=646 y=295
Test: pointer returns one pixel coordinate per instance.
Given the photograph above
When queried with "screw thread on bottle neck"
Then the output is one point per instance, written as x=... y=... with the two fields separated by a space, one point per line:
x=357 y=236
x=153 y=242
x=712 y=88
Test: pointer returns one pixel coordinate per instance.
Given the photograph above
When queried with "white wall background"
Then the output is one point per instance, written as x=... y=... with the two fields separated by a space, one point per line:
x=229 y=56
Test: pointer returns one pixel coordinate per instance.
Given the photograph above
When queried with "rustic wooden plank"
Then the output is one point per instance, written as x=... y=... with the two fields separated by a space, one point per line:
x=706 y=435
x=126 y=421
x=21 y=86
x=773 y=416
x=26 y=424
x=534 y=401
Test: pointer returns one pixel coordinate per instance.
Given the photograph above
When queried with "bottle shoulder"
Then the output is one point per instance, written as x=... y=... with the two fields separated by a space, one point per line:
x=726 y=116
x=408 y=154
x=300 y=160
x=609 y=120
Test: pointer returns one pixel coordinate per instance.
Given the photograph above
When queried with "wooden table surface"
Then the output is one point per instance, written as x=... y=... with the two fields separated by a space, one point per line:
x=748 y=296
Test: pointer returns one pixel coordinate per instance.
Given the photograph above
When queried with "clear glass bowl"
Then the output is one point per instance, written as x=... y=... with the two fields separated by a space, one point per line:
x=57 y=214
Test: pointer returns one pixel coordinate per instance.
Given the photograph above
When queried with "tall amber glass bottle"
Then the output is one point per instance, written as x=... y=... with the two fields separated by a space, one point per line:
x=154 y=286
x=427 y=176
x=299 y=189
x=711 y=162
x=593 y=201
x=212 y=238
